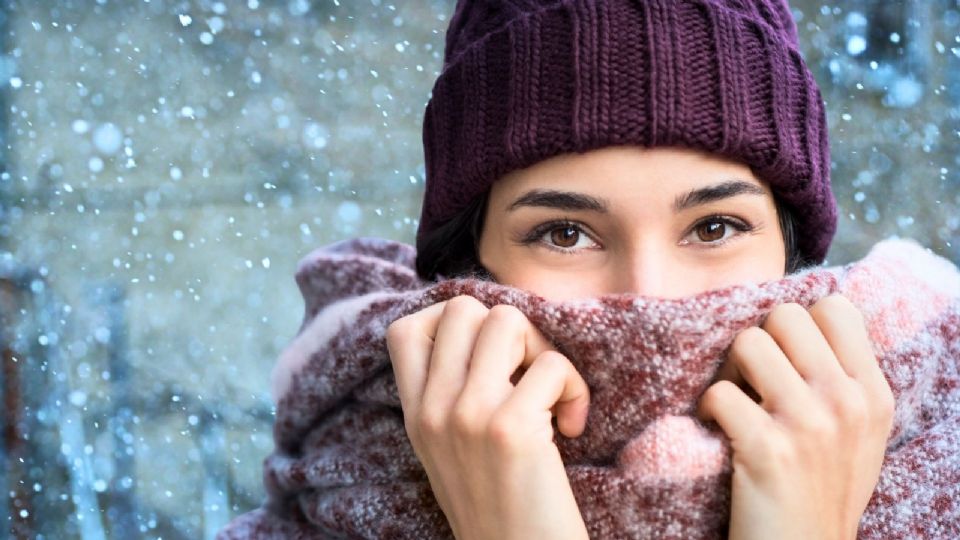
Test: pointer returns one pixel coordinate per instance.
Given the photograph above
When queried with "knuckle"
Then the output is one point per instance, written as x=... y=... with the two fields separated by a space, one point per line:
x=836 y=309
x=886 y=405
x=776 y=450
x=836 y=302
x=430 y=423
x=715 y=393
x=819 y=426
x=463 y=304
x=852 y=408
x=552 y=361
x=506 y=313
x=502 y=431
x=399 y=328
x=465 y=421
x=785 y=313
x=749 y=338
x=410 y=425
x=718 y=389
x=789 y=310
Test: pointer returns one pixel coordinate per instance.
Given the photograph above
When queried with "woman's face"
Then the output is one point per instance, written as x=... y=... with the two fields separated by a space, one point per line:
x=664 y=221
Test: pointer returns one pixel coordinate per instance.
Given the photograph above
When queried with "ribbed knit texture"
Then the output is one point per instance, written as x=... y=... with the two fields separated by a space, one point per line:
x=342 y=466
x=525 y=80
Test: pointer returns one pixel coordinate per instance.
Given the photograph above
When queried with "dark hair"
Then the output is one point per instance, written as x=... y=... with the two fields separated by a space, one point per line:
x=451 y=249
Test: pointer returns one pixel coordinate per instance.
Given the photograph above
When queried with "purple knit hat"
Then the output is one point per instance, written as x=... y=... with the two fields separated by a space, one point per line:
x=525 y=80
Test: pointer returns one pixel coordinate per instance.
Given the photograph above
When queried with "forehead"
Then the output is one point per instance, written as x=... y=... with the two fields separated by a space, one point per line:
x=623 y=171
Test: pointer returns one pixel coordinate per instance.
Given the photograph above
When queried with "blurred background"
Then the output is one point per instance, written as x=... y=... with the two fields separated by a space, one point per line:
x=166 y=163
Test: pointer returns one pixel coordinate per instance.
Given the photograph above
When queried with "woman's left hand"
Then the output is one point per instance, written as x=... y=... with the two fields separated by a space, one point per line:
x=807 y=457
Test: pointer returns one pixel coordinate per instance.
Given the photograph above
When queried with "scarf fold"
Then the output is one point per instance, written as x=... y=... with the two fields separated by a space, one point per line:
x=343 y=467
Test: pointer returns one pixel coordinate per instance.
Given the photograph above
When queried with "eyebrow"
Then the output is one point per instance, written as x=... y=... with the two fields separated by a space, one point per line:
x=572 y=201
x=716 y=192
x=561 y=200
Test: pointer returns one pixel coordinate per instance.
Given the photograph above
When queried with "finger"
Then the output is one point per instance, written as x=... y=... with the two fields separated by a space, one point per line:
x=842 y=325
x=551 y=382
x=409 y=343
x=733 y=411
x=794 y=330
x=456 y=334
x=756 y=359
x=844 y=328
x=507 y=341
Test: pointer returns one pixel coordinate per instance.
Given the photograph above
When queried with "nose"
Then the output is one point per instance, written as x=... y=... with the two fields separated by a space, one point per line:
x=646 y=274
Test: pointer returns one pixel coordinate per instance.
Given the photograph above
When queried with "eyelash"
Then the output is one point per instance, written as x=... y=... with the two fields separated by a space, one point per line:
x=538 y=232
x=739 y=225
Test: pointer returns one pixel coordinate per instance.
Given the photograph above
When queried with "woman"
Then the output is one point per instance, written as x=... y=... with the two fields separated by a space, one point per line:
x=581 y=148
x=607 y=164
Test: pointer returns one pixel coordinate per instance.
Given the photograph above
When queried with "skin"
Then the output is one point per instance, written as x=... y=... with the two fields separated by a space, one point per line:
x=801 y=397
x=641 y=243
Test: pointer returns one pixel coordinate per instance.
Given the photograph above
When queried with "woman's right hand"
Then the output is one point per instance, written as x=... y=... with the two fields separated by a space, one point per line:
x=486 y=443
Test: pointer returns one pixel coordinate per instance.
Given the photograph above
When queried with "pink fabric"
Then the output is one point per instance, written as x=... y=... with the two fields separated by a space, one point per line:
x=644 y=468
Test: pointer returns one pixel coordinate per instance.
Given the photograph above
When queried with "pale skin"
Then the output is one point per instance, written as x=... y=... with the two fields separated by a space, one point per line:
x=801 y=397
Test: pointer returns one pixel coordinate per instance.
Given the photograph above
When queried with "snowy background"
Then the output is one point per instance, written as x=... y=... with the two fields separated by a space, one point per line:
x=166 y=164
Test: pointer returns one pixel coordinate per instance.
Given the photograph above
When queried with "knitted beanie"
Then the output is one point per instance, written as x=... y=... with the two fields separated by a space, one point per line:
x=525 y=80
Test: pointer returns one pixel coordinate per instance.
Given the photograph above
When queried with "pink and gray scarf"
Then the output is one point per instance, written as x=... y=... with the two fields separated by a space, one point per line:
x=644 y=468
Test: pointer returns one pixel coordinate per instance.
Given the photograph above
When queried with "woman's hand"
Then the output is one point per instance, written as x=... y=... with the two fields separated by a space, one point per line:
x=807 y=458
x=487 y=444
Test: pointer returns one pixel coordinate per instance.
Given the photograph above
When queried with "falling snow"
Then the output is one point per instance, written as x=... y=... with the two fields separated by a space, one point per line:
x=169 y=162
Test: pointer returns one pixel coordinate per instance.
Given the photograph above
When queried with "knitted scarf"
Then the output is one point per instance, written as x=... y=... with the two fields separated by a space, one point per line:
x=645 y=467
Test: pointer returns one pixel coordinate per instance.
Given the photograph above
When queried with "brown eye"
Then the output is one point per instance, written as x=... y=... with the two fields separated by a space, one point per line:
x=561 y=237
x=565 y=237
x=711 y=231
x=717 y=231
